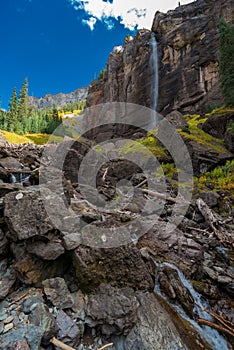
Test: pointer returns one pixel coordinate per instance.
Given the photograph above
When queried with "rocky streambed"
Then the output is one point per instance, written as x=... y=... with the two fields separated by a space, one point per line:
x=61 y=279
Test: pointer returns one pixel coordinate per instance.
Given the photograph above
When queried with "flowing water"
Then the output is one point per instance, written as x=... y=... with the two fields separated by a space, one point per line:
x=212 y=336
x=154 y=69
x=19 y=178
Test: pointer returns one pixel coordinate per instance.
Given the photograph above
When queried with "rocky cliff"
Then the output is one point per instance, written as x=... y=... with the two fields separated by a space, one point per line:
x=59 y=99
x=188 y=60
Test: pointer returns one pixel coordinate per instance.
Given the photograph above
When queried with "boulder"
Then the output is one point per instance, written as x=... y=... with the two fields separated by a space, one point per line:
x=10 y=163
x=42 y=318
x=113 y=309
x=177 y=120
x=24 y=335
x=229 y=140
x=69 y=332
x=121 y=267
x=57 y=292
x=26 y=216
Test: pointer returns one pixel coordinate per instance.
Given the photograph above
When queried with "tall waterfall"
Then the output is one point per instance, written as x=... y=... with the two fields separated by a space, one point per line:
x=154 y=69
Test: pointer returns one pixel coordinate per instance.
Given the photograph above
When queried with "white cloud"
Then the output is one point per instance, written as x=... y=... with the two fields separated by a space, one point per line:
x=131 y=13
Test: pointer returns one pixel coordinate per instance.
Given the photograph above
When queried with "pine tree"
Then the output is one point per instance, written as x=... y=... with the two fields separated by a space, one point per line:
x=13 y=112
x=226 y=40
x=23 y=105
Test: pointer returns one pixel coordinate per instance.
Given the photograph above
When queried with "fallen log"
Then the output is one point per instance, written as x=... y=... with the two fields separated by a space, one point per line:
x=60 y=344
x=202 y=321
x=105 y=346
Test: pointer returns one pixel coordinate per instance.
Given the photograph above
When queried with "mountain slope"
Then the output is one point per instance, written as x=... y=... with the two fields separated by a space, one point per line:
x=59 y=99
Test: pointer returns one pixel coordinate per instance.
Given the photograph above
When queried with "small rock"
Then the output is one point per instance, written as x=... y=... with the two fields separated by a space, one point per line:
x=29 y=303
x=8 y=327
x=21 y=345
x=72 y=241
x=8 y=320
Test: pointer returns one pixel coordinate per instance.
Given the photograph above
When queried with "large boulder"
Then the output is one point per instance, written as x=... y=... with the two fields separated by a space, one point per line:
x=121 y=266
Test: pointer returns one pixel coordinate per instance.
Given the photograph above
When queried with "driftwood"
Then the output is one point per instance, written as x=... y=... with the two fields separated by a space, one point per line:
x=105 y=346
x=215 y=223
x=202 y=321
x=63 y=346
x=163 y=196
x=60 y=345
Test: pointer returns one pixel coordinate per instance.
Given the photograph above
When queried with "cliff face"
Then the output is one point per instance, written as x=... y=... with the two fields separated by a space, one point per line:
x=59 y=99
x=188 y=60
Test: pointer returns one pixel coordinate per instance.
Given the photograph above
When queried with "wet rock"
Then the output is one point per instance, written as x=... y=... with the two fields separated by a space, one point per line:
x=26 y=333
x=155 y=329
x=173 y=287
x=57 y=292
x=122 y=266
x=113 y=309
x=174 y=247
x=41 y=317
x=7 y=278
x=69 y=332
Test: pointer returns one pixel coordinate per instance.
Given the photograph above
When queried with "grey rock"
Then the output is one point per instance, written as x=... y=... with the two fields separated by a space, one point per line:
x=46 y=251
x=10 y=163
x=113 y=309
x=72 y=241
x=7 y=277
x=57 y=292
x=60 y=99
x=7 y=188
x=41 y=317
x=69 y=332
x=26 y=332
x=29 y=303
x=177 y=120
x=25 y=215
x=210 y=198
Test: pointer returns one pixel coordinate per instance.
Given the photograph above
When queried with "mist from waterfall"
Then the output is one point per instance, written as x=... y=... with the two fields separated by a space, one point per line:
x=154 y=69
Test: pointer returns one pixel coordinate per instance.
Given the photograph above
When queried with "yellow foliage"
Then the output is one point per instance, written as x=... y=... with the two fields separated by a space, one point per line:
x=38 y=139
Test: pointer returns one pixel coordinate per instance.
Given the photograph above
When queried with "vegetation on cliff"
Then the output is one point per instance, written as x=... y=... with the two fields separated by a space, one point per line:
x=226 y=31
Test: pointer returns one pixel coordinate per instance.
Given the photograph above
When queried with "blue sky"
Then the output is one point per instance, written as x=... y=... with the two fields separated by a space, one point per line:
x=60 y=45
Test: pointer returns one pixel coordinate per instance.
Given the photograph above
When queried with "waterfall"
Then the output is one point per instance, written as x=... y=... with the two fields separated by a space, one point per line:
x=19 y=178
x=154 y=69
x=210 y=335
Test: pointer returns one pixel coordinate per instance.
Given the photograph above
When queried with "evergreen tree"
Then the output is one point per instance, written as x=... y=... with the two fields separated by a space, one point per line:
x=23 y=106
x=226 y=40
x=13 y=112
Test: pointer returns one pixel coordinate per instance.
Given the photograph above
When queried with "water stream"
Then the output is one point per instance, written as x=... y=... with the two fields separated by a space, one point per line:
x=19 y=178
x=154 y=68
x=212 y=336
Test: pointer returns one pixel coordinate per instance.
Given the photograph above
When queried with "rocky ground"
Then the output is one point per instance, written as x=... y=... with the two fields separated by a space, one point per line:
x=61 y=279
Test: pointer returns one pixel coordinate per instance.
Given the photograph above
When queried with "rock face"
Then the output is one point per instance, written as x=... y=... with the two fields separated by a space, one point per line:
x=188 y=61
x=59 y=99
